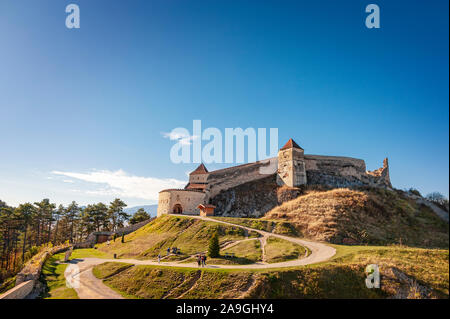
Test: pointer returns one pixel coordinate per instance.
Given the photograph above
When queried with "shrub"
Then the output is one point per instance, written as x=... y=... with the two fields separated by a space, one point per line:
x=414 y=192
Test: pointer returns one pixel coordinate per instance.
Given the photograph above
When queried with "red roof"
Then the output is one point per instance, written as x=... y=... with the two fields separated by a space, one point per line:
x=206 y=206
x=290 y=144
x=196 y=186
x=201 y=169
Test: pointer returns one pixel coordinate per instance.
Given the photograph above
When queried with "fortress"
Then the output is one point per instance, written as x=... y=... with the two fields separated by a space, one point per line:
x=254 y=183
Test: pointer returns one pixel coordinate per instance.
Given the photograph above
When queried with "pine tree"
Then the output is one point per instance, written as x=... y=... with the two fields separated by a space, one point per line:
x=214 y=248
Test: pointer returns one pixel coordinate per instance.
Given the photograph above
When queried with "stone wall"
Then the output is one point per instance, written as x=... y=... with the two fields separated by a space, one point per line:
x=230 y=177
x=32 y=269
x=91 y=239
x=252 y=199
x=333 y=171
x=27 y=280
x=20 y=291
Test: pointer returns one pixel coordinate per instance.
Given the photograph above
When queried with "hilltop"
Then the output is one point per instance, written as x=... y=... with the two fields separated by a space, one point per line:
x=191 y=236
x=363 y=216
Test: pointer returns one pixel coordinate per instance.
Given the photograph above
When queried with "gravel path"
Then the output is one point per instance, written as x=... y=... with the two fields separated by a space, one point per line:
x=79 y=272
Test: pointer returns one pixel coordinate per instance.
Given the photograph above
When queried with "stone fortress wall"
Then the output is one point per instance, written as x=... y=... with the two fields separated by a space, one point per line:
x=340 y=172
x=224 y=179
x=292 y=168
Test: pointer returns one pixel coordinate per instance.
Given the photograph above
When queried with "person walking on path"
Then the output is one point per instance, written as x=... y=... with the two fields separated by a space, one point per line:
x=203 y=260
x=199 y=260
x=159 y=258
x=168 y=251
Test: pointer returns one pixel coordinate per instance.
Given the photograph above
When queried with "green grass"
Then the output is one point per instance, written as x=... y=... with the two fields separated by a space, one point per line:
x=154 y=282
x=341 y=277
x=246 y=252
x=278 y=250
x=109 y=269
x=53 y=277
x=188 y=234
x=90 y=253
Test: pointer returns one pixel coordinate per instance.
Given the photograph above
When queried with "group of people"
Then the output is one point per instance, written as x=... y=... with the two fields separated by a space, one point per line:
x=201 y=260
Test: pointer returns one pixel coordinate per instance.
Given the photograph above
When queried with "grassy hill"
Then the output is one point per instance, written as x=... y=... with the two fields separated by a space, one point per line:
x=366 y=216
x=187 y=234
x=405 y=273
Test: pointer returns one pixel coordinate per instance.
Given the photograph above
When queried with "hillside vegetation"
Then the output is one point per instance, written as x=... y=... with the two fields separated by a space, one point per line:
x=278 y=250
x=189 y=235
x=366 y=216
x=405 y=273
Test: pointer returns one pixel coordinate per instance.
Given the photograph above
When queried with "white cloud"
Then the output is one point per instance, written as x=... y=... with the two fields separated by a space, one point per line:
x=121 y=184
x=68 y=181
x=184 y=139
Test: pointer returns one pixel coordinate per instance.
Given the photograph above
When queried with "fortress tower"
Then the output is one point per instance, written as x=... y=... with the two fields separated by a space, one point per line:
x=291 y=165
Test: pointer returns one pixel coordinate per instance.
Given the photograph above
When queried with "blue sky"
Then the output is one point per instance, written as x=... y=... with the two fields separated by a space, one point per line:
x=82 y=111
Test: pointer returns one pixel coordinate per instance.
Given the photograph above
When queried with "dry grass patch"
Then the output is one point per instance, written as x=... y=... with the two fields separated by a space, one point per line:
x=365 y=216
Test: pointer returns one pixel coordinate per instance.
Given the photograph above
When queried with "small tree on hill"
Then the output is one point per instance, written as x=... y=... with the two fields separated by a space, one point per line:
x=139 y=216
x=214 y=248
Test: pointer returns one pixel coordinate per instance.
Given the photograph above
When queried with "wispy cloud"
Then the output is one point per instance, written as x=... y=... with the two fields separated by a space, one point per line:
x=184 y=139
x=121 y=184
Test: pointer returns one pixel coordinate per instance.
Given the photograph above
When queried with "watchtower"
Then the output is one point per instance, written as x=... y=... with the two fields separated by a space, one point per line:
x=291 y=165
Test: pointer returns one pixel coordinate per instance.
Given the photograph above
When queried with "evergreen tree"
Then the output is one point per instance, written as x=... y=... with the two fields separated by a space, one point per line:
x=214 y=247
x=116 y=213
x=139 y=216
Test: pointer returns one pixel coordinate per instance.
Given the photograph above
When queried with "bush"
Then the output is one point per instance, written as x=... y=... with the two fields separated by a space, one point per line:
x=414 y=192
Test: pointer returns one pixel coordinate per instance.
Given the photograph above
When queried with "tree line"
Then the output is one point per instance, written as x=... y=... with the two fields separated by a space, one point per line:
x=25 y=228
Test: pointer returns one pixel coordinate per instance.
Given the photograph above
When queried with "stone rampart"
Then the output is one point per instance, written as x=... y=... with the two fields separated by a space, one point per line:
x=19 y=291
x=233 y=176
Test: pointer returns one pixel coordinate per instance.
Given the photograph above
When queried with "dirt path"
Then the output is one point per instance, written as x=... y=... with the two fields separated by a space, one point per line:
x=90 y=287
x=263 y=242
x=80 y=277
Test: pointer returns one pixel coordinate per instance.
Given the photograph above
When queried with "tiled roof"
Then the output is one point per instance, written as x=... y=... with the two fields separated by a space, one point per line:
x=196 y=186
x=201 y=169
x=290 y=144
x=181 y=190
x=206 y=206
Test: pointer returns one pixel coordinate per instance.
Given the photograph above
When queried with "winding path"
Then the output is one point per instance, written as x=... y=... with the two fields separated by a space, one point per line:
x=79 y=272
